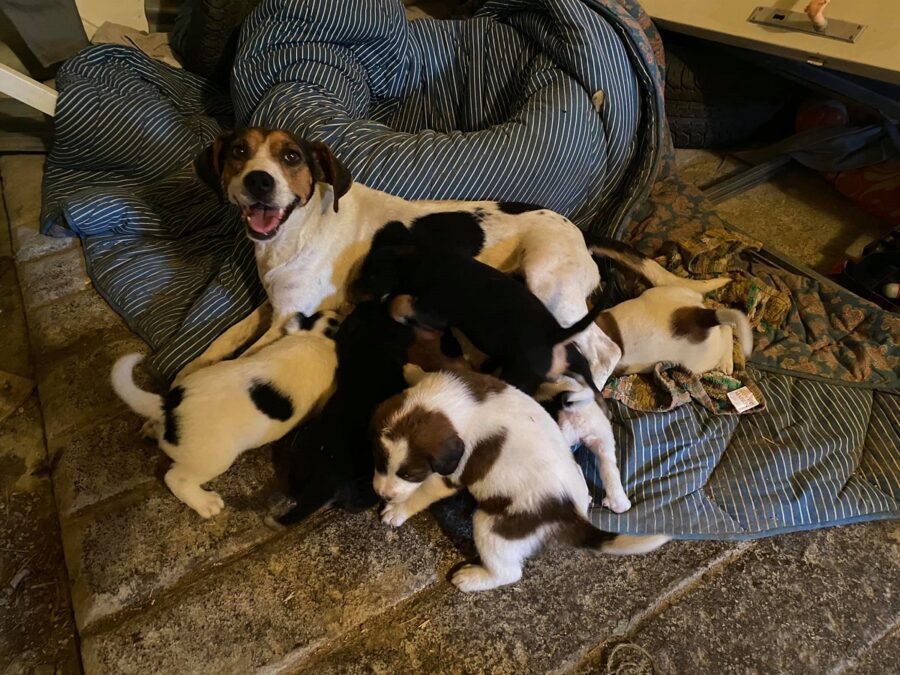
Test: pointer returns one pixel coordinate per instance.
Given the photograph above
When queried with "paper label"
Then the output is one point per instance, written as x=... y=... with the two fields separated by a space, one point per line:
x=742 y=399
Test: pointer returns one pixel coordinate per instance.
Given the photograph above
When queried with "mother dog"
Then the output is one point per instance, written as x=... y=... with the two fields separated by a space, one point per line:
x=312 y=226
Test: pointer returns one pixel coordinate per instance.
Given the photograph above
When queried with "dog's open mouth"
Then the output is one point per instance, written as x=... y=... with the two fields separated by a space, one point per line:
x=263 y=221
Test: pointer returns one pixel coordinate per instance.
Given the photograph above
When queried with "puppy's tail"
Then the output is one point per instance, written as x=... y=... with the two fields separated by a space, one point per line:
x=583 y=534
x=741 y=325
x=579 y=325
x=651 y=270
x=144 y=403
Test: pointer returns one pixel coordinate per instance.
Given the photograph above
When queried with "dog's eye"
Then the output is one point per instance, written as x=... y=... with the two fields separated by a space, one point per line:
x=412 y=475
x=238 y=151
x=291 y=157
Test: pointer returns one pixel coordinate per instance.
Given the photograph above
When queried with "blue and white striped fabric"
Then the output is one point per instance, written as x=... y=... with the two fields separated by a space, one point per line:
x=416 y=108
x=497 y=107
x=158 y=244
x=822 y=454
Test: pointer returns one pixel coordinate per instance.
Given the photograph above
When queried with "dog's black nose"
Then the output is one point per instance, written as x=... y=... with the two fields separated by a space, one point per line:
x=259 y=184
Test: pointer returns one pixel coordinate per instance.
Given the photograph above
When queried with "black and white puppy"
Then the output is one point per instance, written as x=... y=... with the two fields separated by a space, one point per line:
x=330 y=457
x=441 y=287
x=214 y=414
x=468 y=430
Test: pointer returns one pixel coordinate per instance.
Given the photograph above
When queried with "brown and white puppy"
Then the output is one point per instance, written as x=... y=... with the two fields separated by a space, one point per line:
x=311 y=226
x=669 y=323
x=467 y=430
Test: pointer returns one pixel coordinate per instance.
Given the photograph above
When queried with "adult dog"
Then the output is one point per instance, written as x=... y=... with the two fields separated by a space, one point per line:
x=311 y=226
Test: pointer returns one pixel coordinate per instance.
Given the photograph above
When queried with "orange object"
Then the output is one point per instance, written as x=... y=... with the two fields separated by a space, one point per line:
x=875 y=188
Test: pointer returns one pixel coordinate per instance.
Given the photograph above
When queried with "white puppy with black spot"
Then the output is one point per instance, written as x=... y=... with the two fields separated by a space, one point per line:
x=214 y=414
x=449 y=432
x=669 y=323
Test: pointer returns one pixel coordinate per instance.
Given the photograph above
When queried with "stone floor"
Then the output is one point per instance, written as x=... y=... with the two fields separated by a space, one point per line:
x=146 y=586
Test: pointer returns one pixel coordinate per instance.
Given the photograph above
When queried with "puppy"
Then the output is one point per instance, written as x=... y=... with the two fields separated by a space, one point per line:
x=440 y=288
x=214 y=414
x=669 y=323
x=582 y=418
x=455 y=430
x=330 y=460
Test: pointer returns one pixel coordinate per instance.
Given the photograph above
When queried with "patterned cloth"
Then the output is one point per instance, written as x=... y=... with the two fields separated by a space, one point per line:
x=716 y=252
x=821 y=454
x=828 y=332
x=670 y=386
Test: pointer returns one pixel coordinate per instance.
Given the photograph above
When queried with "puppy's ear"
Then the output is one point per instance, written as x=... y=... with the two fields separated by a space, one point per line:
x=208 y=164
x=413 y=374
x=448 y=455
x=393 y=233
x=378 y=276
x=333 y=171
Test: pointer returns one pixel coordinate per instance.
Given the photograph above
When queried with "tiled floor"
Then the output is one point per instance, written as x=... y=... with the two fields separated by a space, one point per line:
x=153 y=588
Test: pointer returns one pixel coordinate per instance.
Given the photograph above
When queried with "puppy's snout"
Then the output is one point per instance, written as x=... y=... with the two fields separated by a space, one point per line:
x=386 y=492
x=259 y=184
x=383 y=488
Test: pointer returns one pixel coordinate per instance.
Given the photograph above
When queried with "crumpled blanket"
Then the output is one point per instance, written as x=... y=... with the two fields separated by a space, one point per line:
x=670 y=385
x=715 y=252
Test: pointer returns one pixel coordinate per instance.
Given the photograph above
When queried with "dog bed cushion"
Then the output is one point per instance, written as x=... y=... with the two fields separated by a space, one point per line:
x=426 y=109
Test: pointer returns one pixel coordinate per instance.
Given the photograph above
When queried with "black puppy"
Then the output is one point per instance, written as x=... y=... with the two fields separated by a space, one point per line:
x=440 y=287
x=330 y=456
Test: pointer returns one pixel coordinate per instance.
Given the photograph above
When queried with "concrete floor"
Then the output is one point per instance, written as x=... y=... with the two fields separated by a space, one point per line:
x=146 y=586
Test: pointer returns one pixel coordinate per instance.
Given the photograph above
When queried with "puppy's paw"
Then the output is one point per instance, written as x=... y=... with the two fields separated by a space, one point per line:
x=208 y=504
x=617 y=503
x=324 y=322
x=473 y=578
x=395 y=514
x=328 y=323
x=150 y=430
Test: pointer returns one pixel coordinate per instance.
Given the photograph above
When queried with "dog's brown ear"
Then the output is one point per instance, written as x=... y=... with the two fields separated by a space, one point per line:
x=383 y=412
x=448 y=455
x=209 y=163
x=333 y=171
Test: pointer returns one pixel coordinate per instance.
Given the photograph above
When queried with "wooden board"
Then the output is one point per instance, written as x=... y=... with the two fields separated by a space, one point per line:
x=875 y=54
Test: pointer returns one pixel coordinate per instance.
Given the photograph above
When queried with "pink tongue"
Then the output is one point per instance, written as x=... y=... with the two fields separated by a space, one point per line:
x=264 y=220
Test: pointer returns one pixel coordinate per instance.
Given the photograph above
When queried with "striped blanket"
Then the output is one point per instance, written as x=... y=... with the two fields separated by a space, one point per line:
x=556 y=102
